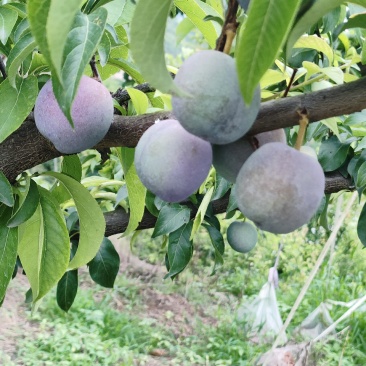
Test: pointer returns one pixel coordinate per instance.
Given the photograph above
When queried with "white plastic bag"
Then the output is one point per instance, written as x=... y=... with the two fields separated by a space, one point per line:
x=261 y=315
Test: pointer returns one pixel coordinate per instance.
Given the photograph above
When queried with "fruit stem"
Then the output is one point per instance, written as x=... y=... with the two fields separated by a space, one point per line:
x=230 y=35
x=226 y=37
x=303 y=122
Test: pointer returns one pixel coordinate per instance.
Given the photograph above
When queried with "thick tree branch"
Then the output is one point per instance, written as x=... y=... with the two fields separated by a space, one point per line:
x=117 y=220
x=26 y=148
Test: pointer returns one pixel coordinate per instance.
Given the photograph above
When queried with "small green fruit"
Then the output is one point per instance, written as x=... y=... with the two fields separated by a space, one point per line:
x=242 y=236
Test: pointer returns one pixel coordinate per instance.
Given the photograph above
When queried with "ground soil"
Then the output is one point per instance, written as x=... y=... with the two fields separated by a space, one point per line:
x=15 y=320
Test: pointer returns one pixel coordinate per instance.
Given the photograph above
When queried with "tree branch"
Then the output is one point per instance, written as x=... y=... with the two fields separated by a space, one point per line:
x=122 y=96
x=117 y=220
x=230 y=25
x=26 y=148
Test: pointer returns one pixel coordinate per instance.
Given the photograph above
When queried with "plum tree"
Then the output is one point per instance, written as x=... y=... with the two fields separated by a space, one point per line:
x=242 y=236
x=171 y=162
x=92 y=114
x=214 y=109
x=228 y=159
x=279 y=188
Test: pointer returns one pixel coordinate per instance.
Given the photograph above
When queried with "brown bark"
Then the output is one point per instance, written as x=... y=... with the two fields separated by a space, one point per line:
x=26 y=148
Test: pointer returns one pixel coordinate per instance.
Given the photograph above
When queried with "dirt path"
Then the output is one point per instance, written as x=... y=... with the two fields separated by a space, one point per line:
x=172 y=310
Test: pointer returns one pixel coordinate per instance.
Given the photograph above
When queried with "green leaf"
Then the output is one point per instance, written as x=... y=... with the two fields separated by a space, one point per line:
x=222 y=186
x=196 y=12
x=104 y=49
x=316 y=43
x=310 y=17
x=28 y=207
x=361 y=226
x=171 y=217
x=71 y=166
x=266 y=29
x=8 y=19
x=201 y=212
x=6 y=192
x=356 y=21
x=217 y=241
x=147 y=38
x=361 y=176
x=8 y=250
x=44 y=248
x=92 y=222
x=128 y=9
x=333 y=153
x=60 y=19
x=232 y=205
x=104 y=267
x=114 y=9
x=180 y=249
x=127 y=67
x=139 y=99
x=67 y=289
x=136 y=190
x=20 y=8
x=183 y=28
x=17 y=55
x=38 y=15
x=16 y=104
x=80 y=46
x=21 y=29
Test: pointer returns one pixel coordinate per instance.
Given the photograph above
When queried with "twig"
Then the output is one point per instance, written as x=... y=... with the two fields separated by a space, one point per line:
x=122 y=96
x=353 y=308
x=294 y=72
x=93 y=66
x=303 y=122
x=230 y=26
x=2 y=68
x=314 y=271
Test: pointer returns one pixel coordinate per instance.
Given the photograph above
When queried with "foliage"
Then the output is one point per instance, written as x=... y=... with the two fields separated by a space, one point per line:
x=54 y=220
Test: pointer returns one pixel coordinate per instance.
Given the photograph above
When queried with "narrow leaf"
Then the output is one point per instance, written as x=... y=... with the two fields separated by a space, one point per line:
x=356 y=21
x=38 y=14
x=16 y=104
x=361 y=226
x=104 y=267
x=71 y=166
x=201 y=212
x=310 y=17
x=67 y=289
x=17 y=55
x=8 y=250
x=333 y=153
x=217 y=241
x=361 y=176
x=147 y=38
x=180 y=249
x=60 y=19
x=266 y=29
x=171 y=217
x=197 y=11
x=44 y=248
x=136 y=190
x=28 y=207
x=92 y=222
x=139 y=99
x=316 y=43
x=8 y=18
x=80 y=46
x=6 y=192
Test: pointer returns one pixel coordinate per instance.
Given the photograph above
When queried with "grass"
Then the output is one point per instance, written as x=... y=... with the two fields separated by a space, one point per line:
x=117 y=327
